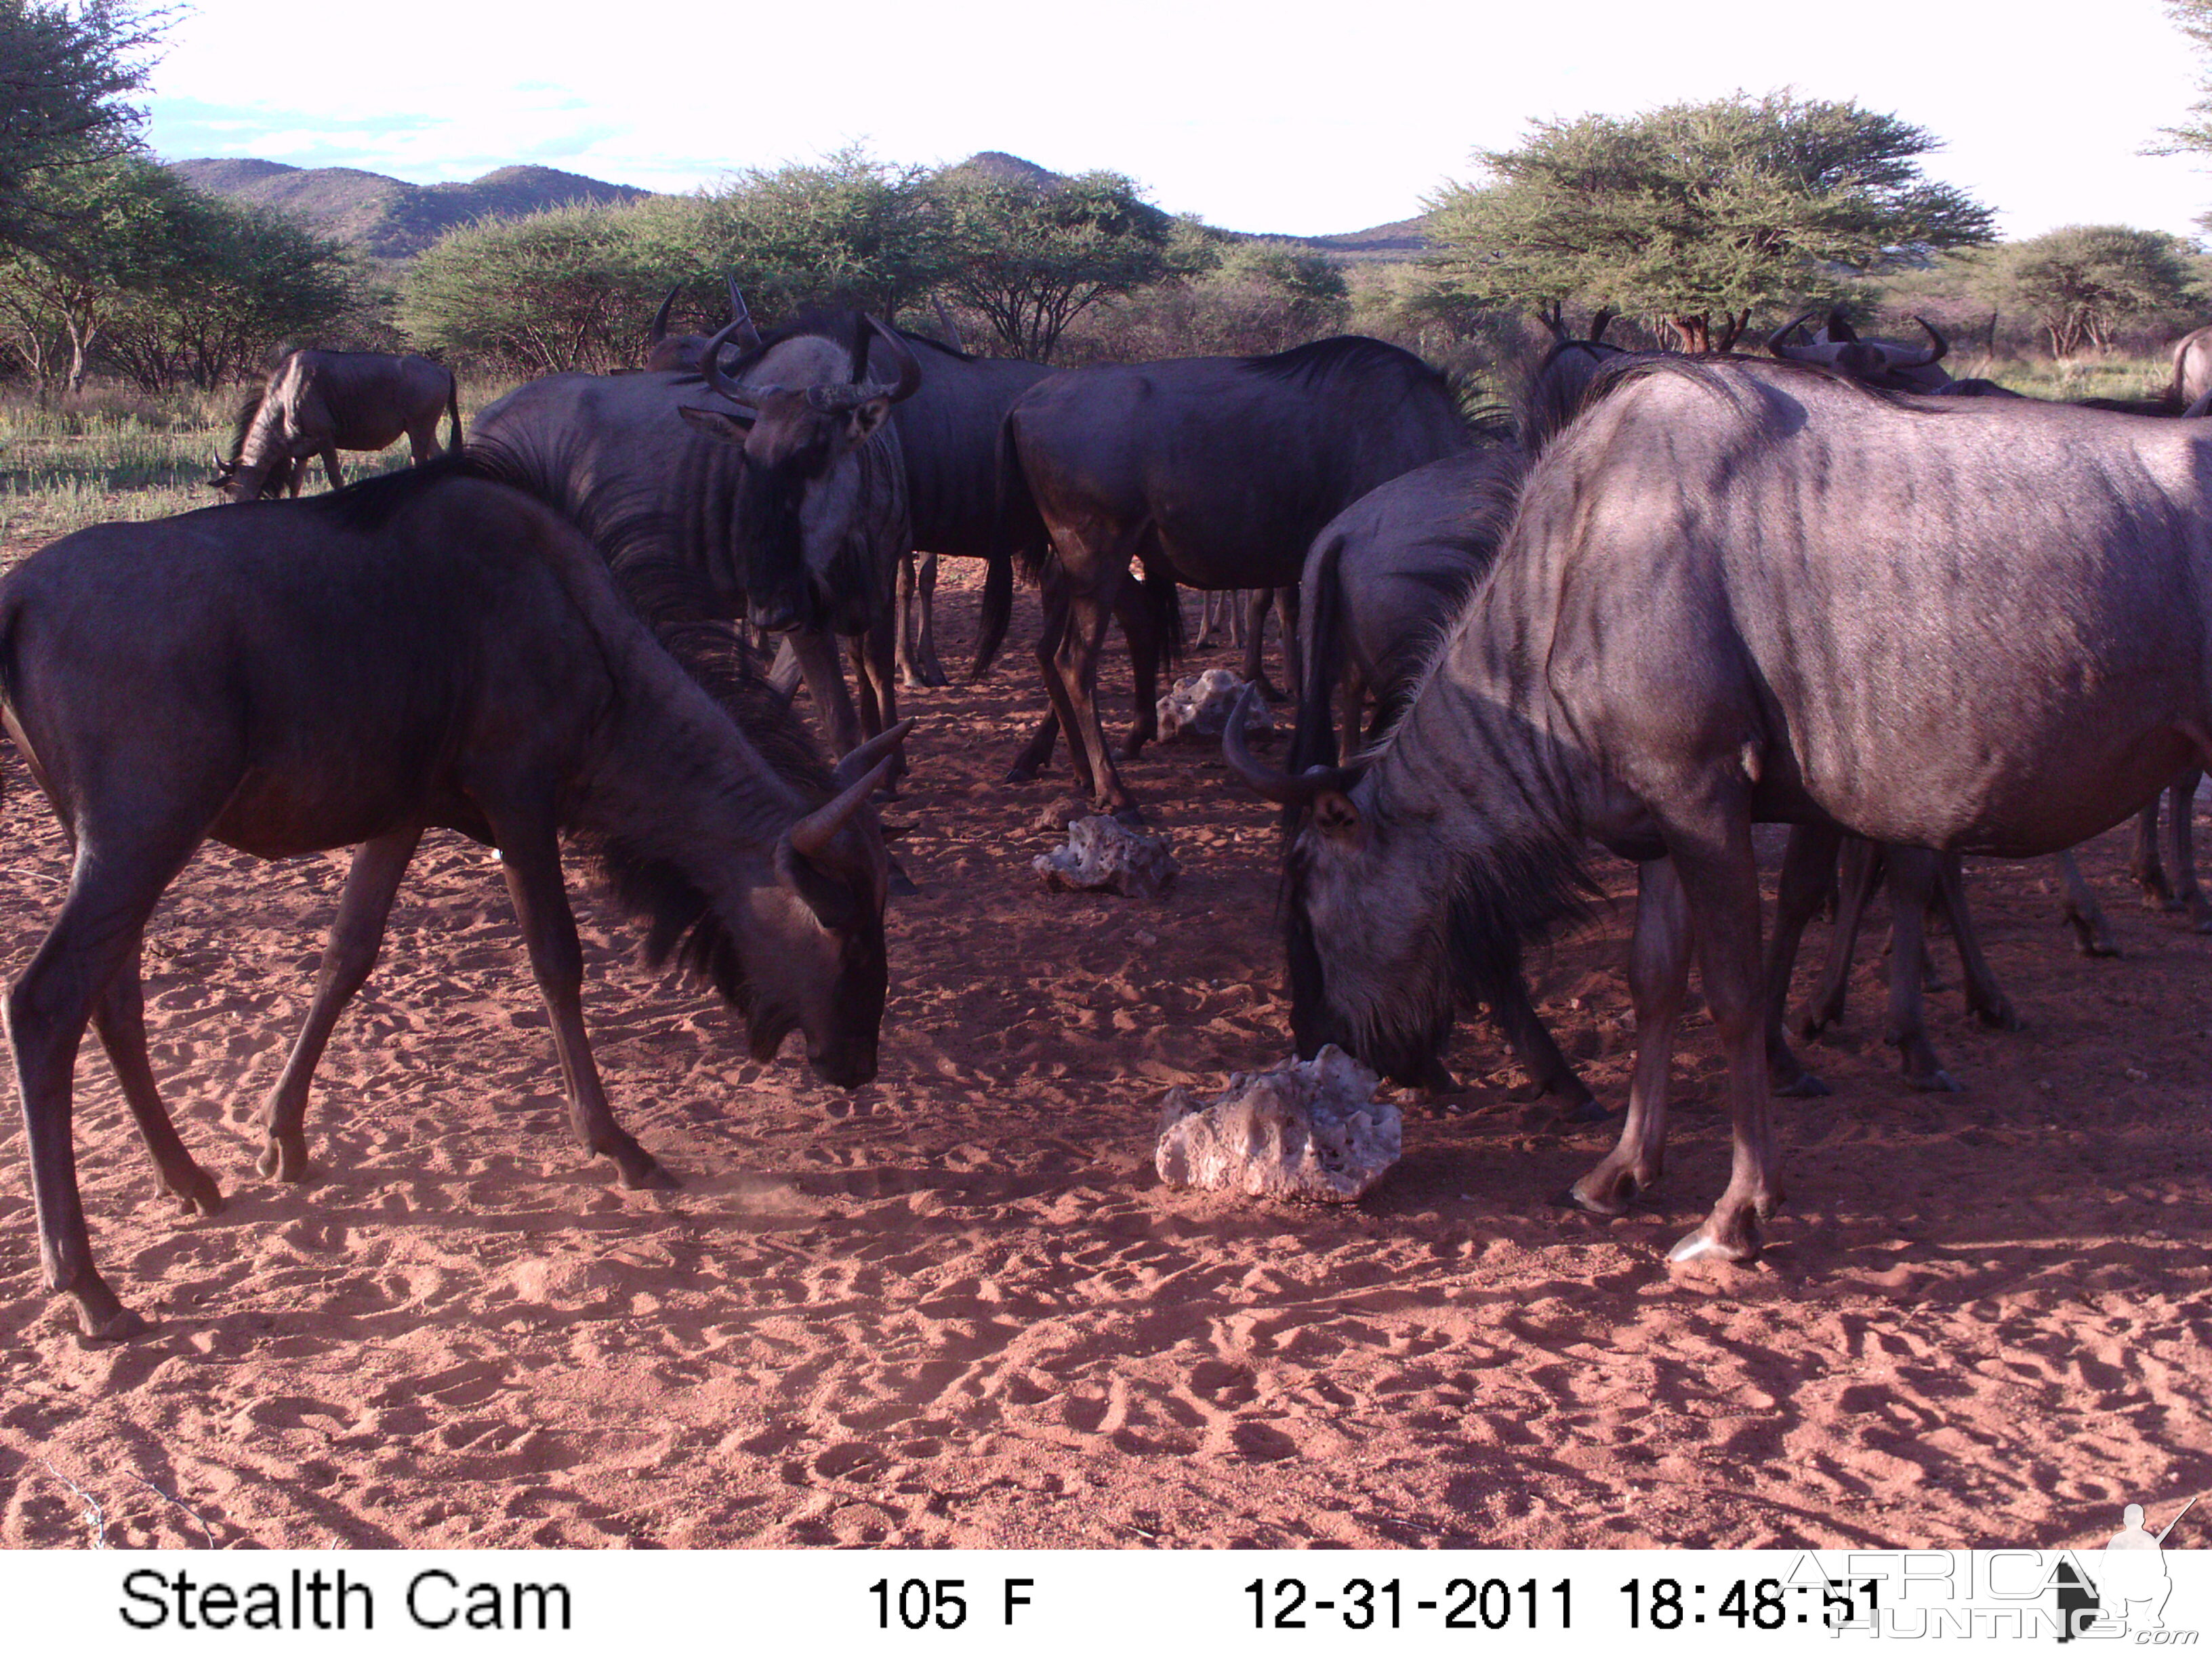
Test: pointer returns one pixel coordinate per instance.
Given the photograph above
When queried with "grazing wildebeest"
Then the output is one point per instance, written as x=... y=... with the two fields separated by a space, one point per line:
x=1733 y=593
x=425 y=649
x=1384 y=579
x=316 y=403
x=1218 y=471
x=784 y=494
x=1882 y=363
x=666 y=353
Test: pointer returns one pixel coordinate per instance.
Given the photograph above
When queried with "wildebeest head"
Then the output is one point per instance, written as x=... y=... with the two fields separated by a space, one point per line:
x=1382 y=992
x=826 y=912
x=793 y=440
x=1882 y=363
x=683 y=353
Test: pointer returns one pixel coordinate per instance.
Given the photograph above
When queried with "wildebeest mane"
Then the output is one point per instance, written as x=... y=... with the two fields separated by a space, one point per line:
x=632 y=532
x=242 y=422
x=1318 y=359
x=368 y=504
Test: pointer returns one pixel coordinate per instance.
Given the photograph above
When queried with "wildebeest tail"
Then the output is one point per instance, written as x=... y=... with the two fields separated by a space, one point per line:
x=1165 y=606
x=1018 y=532
x=452 y=411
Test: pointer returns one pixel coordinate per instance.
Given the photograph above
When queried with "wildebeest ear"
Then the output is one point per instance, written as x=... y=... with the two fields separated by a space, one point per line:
x=1334 y=814
x=719 y=423
x=861 y=424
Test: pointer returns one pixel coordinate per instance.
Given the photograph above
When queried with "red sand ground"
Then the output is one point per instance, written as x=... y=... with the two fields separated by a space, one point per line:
x=958 y=1308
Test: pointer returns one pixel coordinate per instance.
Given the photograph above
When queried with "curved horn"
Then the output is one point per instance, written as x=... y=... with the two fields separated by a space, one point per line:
x=710 y=365
x=909 y=370
x=660 y=330
x=945 y=321
x=748 y=335
x=1599 y=323
x=1272 y=783
x=863 y=760
x=810 y=837
x=1838 y=326
x=2199 y=410
x=1937 y=345
x=1777 y=342
x=1554 y=319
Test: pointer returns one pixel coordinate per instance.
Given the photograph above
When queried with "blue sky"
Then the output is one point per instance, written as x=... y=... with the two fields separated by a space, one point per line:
x=1293 y=119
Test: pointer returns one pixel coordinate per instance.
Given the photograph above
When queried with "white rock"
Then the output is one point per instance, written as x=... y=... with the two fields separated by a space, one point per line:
x=1103 y=854
x=1308 y=1129
x=1200 y=707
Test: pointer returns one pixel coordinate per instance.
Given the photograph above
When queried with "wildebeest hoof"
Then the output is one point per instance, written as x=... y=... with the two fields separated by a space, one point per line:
x=2001 y=1017
x=1605 y=1193
x=1131 y=818
x=284 y=1161
x=197 y=1192
x=1021 y=774
x=1706 y=1245
x=1803 y=1086
x=1937 y=1082
x=1588 y=1109
x=103 y=1319
x=647 y=1175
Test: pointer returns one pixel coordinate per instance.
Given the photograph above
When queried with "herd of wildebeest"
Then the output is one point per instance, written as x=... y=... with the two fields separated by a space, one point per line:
x=1671 y=595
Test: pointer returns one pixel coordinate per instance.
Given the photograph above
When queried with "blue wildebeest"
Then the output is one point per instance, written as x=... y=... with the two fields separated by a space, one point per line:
x=316 y=403
x=1215 y=472
x=1883 y=363
x=666 y=353
x=425 y=649
x=1735 y=592
x=779 y=483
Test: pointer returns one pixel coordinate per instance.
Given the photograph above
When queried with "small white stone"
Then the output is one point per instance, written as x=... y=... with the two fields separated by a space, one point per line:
x=1200 y=707
x=1103 y=854
x=1304 y=1129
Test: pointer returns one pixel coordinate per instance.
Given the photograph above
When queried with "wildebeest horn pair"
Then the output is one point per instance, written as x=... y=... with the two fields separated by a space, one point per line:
x=829 y=399
x=1272 y=783
x=858 y=775
x=1839 y=333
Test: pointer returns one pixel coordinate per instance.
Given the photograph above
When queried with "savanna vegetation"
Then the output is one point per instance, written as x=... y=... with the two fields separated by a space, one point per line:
x=132 y=306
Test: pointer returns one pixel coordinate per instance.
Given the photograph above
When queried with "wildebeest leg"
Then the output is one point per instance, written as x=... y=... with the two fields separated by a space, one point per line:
x=1658 y=979
x=1860 y=862
x=2080 y=908
x=1133 y=610
x=332 y=474
x=530 y=856
x=932 y=671
x=1209 y=615
x=296 y=475
x=816 y=653
x=1256 y=601
x=120 y=1017
x=1713 y=856
x=1036 y=754
x=1807 y=864
x=1088 y=614
x=119 y=873
x=2181 y=842
x=1533 y=1045
x=351 y=952
x=1912 y=885
x=2143 y=861
x=875 y=656
x=1286 y=613
x=1986 y=999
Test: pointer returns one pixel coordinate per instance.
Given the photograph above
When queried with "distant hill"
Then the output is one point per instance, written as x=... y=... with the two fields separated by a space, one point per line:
x=394 y=220
x=389 y=217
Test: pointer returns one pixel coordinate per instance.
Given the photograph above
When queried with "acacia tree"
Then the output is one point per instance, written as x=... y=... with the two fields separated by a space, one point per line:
x=1030 y=255
x=558 y=290
x=2083 y=283
x=131 y=225
x=238 y=279
x=65 y=72
x=1737 y=204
